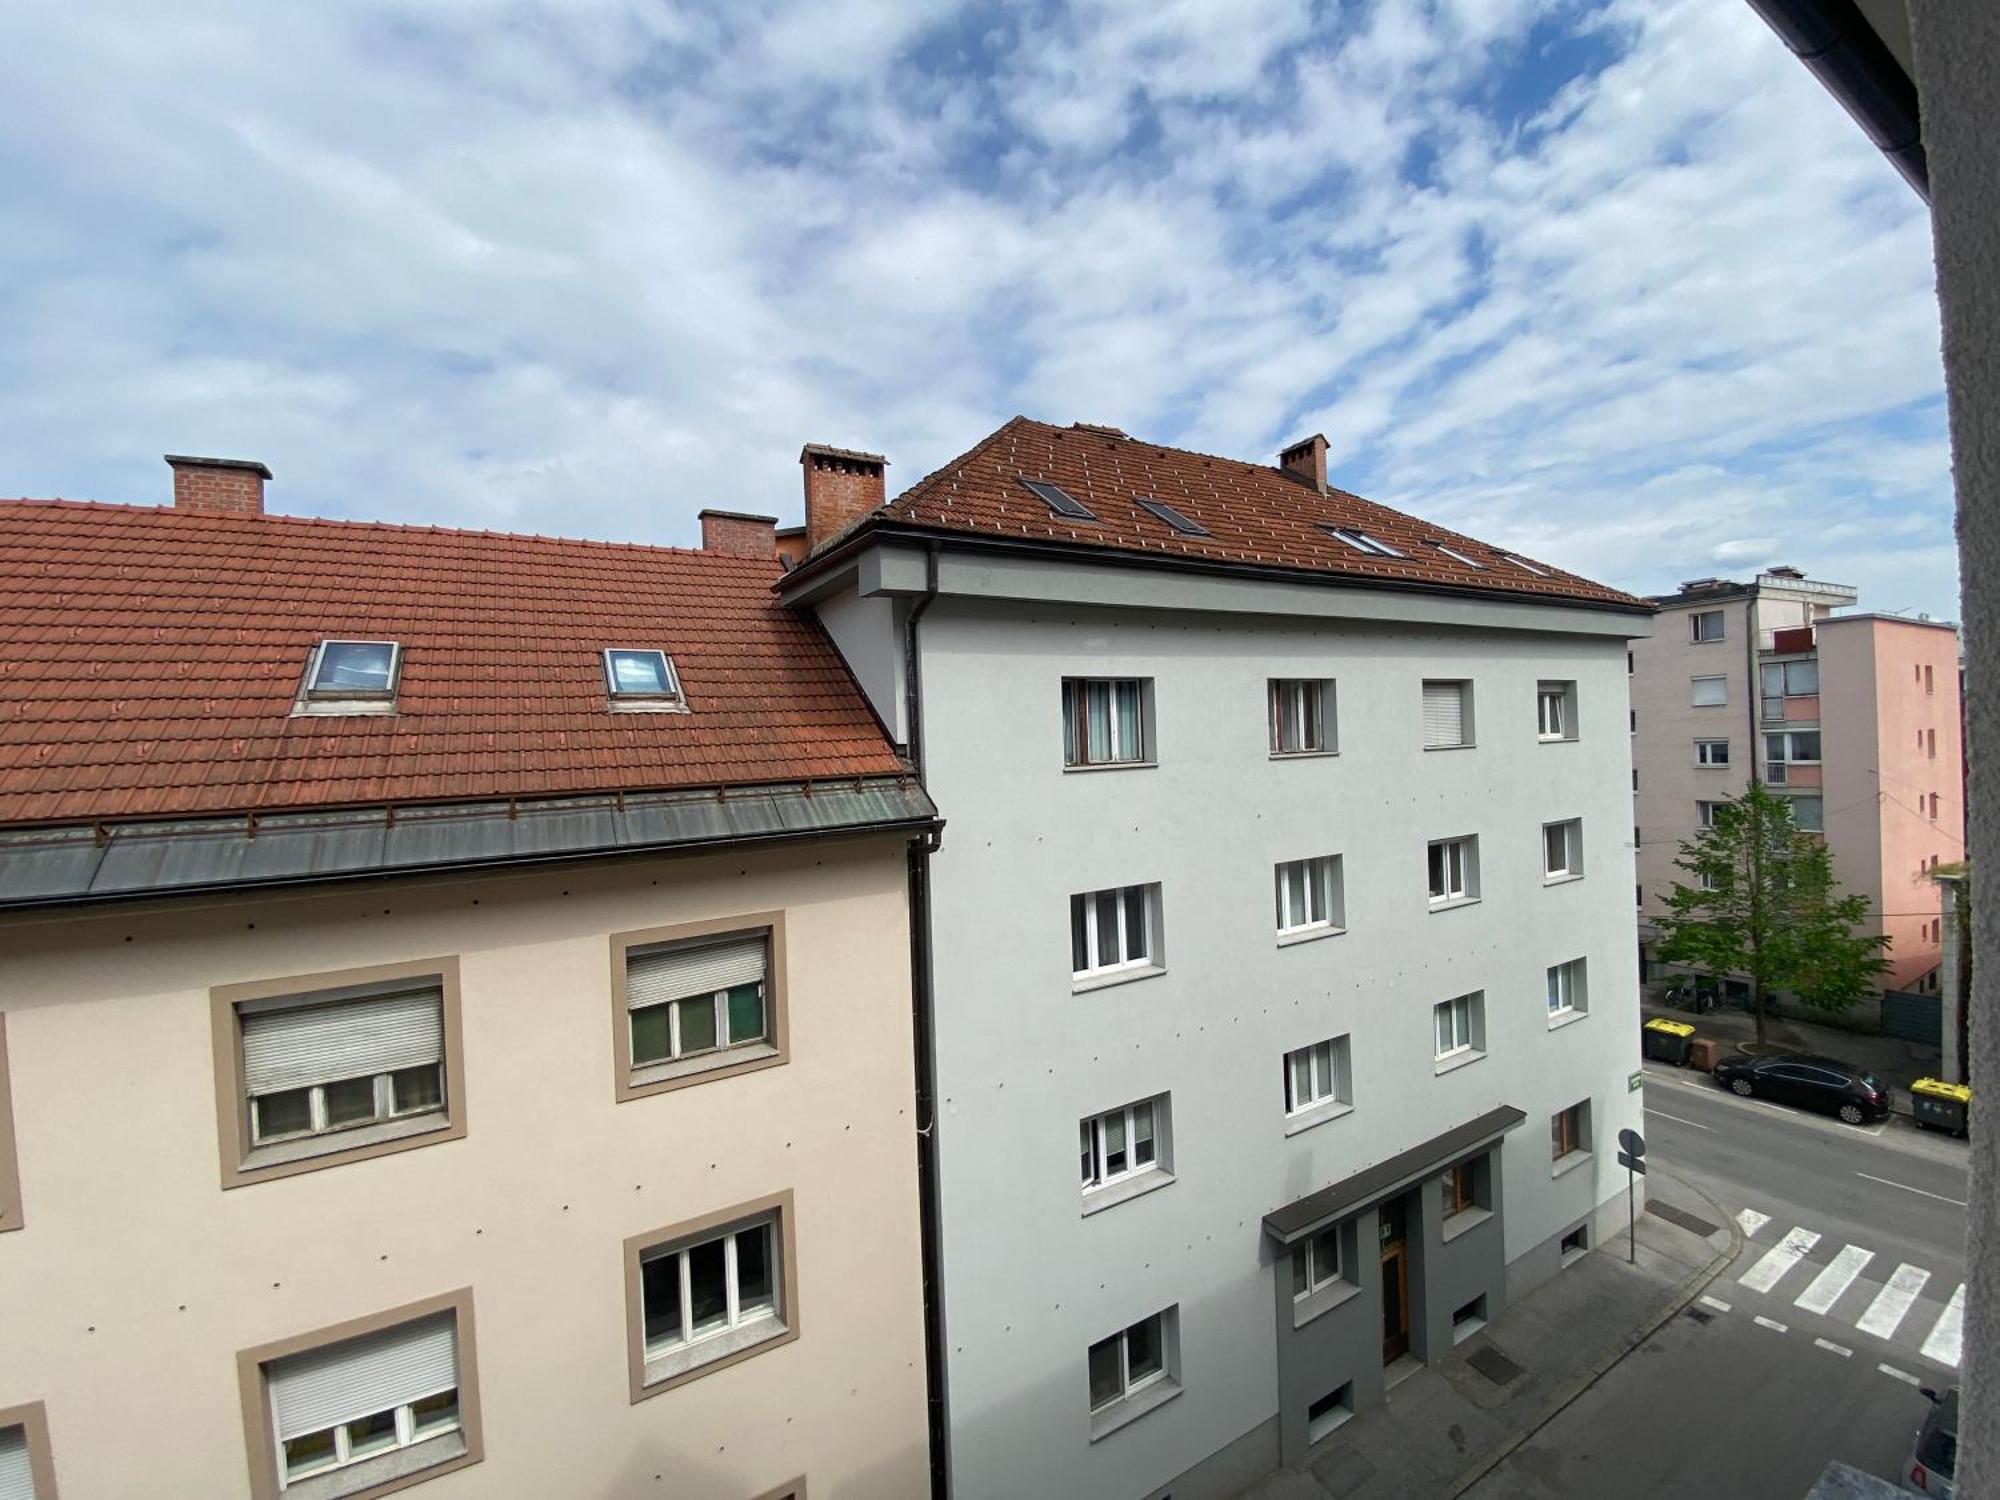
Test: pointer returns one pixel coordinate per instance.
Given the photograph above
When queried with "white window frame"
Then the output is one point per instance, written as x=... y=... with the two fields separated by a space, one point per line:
x=384 y=1088
x=1695 y=699
x=1568 y=988
x=1131 y=963
x=1128 y=1386
x=1571 y=867
x=1321 y=890
x=1460 y=868
x=1704 y=754
x=1327 y=1070
x=1461 y=1038
x=1311 y=716
x=1704 y=812
x=1457 y=556
x=1095 y=1174
x=736 y=1317
x=1468 y=734
x=1076 y=722
x=1552 y=728
x=1311 y=1271
x=408 y=1434
x=1695 y=617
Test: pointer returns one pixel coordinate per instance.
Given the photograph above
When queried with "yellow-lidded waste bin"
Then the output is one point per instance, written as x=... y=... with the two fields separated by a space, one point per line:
x=1938 y=1105
x=1667 y=1041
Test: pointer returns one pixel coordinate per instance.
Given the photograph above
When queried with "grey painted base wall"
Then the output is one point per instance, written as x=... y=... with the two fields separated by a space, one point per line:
x=1230 y=1471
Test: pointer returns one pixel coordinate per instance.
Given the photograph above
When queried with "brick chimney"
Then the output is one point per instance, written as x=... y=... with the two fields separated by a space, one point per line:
x=1307 y=459
x=232 y=486
x=739 y=535
x=841 y=487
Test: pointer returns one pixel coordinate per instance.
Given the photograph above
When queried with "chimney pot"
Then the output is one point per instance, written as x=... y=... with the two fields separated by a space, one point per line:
x=1307 y=459
x=842 y=486
x=735 y=534
x=227 y=486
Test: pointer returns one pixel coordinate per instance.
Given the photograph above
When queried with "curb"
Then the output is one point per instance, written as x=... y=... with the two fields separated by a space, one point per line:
x=1682 y=1295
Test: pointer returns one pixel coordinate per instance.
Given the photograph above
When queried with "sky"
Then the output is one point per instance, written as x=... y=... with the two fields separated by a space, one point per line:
x=1611 y=282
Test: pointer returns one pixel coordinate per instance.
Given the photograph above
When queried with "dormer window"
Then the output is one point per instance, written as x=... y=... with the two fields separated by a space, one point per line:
x=352 y=677
x=1361 y=541
x=642 y=679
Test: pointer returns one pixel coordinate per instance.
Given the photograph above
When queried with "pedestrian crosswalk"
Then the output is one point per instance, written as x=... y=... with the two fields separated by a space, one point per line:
x=1835 y=1285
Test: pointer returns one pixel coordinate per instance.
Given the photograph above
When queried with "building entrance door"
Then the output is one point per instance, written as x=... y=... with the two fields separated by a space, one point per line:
x=1395 y=1285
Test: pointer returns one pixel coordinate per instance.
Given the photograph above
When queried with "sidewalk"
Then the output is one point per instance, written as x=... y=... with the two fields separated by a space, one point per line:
x=1440 y=1430
x=1896 y=1062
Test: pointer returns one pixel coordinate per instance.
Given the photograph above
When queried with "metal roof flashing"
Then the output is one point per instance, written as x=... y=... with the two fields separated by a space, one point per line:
x=90 y=864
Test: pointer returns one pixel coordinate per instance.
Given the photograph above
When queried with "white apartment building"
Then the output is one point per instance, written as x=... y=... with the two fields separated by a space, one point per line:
x=1280 y=952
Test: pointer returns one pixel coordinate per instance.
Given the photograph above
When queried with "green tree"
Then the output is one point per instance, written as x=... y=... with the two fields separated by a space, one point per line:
x=1763 y=903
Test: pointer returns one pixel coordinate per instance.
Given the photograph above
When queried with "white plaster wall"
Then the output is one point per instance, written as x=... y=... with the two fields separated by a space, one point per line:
x=1029 y=1282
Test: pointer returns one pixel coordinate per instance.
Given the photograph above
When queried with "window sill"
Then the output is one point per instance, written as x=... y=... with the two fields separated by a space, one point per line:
x=1318 y=1304
x=1467 y=745
x=1303 y=1120
x=651 y=1076
x=1082 y=985
x=1563 y=879
x=1568 y=1016
x=1556 y=739
x=309 y=1148
x=1313 y=934
x=1463 y=1220
x=1563 y=1166
x=1303 y=754
x=1459 y=1060
x=1134 y=1185
x=1460 y=1332
x=653 y=706
x=1131 y=1408
x=1452 y=903
x=1115 y=765
x=677 y=1366
x=389 y=1468
x=344 y=708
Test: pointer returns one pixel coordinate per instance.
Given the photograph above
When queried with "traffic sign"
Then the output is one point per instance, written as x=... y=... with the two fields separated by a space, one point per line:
x=1632 y=1142
x=1636 y=1164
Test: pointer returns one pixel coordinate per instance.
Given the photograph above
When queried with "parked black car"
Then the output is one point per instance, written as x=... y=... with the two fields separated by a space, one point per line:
x=1822 y=1083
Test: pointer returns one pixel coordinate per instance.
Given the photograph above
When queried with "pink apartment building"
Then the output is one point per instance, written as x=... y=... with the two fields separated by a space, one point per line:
x=1855 y=717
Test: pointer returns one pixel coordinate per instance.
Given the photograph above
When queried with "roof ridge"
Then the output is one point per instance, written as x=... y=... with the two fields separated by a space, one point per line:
x=406 y=528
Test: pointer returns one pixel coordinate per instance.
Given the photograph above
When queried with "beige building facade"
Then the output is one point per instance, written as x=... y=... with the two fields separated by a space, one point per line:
x=1854 y=717
x=152 y=1302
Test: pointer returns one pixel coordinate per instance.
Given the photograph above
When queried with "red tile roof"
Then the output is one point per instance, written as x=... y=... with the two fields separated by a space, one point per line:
x=150 y=658
x=1257 y=515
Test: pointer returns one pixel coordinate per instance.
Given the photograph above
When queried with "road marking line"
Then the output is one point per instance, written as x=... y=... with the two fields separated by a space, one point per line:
x=1696 y=1124
x=1948 y=1333
x=1908 y=1189
x=1893 y=1301
x=1764 y=1322
x=1751 y=1221
x=1892 y=1370
x=1842 y=1350
x=1718 y=1305
x=1779 y=1259
x=1835 y=1279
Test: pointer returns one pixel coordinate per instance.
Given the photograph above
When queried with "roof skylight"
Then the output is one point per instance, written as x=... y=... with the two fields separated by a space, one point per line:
x=1523 y=563
x=353 y=669
x=1453 y=552
x=1172 y=517
x=1057 y=500
x=1361 y=541
x=641 y=678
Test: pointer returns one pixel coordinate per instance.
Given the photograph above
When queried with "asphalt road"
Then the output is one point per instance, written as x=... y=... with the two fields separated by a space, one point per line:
x=1790 y=1360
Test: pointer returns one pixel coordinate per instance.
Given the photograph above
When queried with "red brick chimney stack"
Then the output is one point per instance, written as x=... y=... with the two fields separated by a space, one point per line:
x=1307 y=459
x=738 y=535
x=232 y=486
x=841 y=487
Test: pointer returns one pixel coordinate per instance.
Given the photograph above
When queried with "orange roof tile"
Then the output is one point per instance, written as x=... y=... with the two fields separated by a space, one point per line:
x=1257 y=515
x=150 y=658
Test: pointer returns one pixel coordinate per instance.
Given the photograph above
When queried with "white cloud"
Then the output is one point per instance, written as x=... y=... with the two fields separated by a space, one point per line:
x=589 y=267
